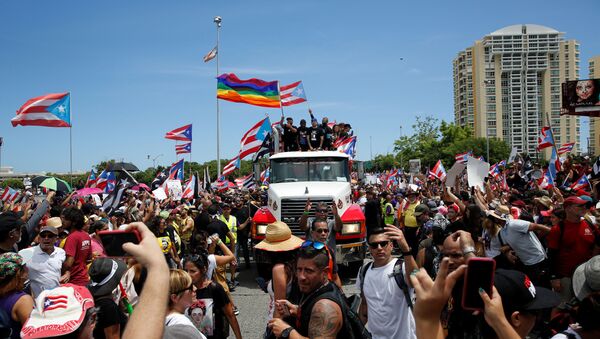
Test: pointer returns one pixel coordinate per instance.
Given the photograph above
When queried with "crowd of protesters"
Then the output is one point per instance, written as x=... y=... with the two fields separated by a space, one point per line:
x=56 y=279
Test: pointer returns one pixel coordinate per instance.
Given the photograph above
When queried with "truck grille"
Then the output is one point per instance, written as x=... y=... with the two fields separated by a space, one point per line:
x=292 y=209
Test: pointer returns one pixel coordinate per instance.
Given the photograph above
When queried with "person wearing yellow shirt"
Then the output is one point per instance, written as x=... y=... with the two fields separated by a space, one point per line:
x=232 y=224
x=408 y=219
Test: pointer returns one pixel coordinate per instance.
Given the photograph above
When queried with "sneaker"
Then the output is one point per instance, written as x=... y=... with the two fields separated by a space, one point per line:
x=231 y=286
x=236 y=283
x=236 y=311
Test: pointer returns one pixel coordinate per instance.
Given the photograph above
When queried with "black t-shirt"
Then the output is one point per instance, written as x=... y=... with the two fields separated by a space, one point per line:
x=207 y=312
x=328 y=133
x=303 y=135
x=201 y=221
x=241 y=215
x=109 y=314
x=314 y=136
x=289 y=136
x=219 y=227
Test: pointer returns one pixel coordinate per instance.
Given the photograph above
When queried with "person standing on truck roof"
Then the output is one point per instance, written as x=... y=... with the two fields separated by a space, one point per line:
x=315 y=136
x=303 y=136
x=290 y=135
x=327 y=133
x=334 y=224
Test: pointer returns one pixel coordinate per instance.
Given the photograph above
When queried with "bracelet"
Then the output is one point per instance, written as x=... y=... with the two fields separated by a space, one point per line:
x=219 y=242
x=468 y=249
x=305 y=213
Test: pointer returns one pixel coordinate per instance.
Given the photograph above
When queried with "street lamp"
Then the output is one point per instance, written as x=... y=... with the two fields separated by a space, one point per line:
x=154 y=159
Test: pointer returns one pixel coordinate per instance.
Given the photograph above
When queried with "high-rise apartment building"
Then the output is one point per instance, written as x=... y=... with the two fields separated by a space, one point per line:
x=594 y=142
x=506 y=83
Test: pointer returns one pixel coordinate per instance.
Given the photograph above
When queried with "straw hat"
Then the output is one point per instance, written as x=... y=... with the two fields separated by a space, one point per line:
x=54 y=222
x=279 y=238
x=502 y=212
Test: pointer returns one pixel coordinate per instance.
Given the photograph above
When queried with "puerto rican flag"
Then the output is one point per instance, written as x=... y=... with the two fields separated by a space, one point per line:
x=245 y=182
x=292 y=94
x=582 y=183
x=264 y=176
x=176 y=171
x=545 y=139
x=438 y=171
x=182 y=133
x=462 y=158
x=253 y=139
x=9 y=195
x=52 y=302
x=91 y=180
x=566 y=148
x=502 y=163
x=50 y=110
x=231 y=166
x=494 y=171
x=183 y=148
x=190 y=185
x=547 y=181
x=106 y=181
x=347 y=146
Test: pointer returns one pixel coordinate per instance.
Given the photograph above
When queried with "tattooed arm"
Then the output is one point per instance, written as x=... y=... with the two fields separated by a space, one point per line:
x=326 y=320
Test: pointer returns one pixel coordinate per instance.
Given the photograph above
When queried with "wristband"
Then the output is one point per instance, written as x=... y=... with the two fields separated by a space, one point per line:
x=468 y=249
x=407 y=253
x=219 y=242
x=305 y=213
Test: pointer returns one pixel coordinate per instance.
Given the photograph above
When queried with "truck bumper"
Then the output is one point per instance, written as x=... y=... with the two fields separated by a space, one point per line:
x=351 y=252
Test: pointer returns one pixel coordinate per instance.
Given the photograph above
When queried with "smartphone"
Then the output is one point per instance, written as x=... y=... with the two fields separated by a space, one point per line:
x=480 y=274
x=113 y=241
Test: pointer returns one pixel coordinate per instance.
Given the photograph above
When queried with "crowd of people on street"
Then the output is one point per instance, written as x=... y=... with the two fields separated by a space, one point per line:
x=57 y=279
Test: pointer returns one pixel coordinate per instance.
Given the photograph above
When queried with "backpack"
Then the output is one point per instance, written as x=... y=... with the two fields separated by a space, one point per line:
x=398 y=276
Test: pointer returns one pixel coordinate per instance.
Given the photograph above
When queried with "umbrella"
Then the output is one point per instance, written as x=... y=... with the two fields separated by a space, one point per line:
x=88 y=191
x=120 y=166
x=38 y=180
x=141 y=186
x=56 y=184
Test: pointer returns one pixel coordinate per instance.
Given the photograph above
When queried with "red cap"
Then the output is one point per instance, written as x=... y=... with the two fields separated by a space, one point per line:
x=574 y=201
x=519 y=203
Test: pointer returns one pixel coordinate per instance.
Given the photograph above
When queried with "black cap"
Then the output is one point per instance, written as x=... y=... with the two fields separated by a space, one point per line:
x=420 y=209
x=519 y=294
x=9 y=221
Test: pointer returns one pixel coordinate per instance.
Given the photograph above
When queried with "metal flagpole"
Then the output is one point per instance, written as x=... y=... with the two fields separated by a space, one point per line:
x=217 y=21
x=70 y=143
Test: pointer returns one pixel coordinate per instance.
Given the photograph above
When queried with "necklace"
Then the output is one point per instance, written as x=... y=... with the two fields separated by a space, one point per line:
x=303 y=299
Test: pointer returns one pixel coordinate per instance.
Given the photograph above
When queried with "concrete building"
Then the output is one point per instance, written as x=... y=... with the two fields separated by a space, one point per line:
x=594 y=146
x=506 y=82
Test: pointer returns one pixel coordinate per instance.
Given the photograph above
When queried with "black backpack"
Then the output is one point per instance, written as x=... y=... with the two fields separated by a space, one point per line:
x=398 y=276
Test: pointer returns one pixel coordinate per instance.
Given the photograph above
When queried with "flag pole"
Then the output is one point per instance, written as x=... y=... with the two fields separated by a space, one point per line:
x=70 y=143
x=217 y=20
x=551 y=131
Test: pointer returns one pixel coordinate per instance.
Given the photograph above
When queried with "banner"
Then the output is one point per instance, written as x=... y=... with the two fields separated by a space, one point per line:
x=581 y=97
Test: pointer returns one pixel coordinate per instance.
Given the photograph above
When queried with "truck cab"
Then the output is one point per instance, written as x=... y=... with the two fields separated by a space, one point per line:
x=321 y=176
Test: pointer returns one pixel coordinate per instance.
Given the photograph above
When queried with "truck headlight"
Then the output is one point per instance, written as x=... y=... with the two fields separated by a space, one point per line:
x=351 y=228
x=261 y=229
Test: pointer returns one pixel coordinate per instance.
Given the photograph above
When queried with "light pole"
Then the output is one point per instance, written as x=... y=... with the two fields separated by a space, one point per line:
x=154 y=159
x=401 y=148
x=217 y=20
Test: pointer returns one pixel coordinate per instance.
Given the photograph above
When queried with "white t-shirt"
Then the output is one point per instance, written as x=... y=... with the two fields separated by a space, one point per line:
x=388 y=313
x=212 y=264
x=180 y=319
x=525 y=244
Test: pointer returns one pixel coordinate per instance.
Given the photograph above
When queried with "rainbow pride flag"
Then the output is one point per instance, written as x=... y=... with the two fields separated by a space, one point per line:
x=252 y=91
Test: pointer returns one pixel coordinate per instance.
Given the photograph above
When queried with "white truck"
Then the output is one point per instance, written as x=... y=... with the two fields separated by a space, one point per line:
x=322 y=176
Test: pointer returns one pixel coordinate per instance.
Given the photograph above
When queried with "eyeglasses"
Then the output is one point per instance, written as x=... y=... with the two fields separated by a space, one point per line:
x=189 y=288
x=47 y=235
x=314 y=244
x=322 y=230
x=322 y=210
x=376 y=244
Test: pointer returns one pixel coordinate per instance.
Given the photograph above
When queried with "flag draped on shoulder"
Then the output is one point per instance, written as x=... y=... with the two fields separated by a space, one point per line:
x=211 y=54
x=182 y=133
x=176 y=171
x=545 y=139
x=292 y=94
x=252 y=91
x=50 y=110
x=183 y=148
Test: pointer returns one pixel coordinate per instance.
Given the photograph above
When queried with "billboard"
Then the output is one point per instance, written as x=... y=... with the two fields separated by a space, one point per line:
x=581 y=97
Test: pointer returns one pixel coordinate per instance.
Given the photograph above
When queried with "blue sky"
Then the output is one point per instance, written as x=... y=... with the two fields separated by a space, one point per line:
x=135 y=70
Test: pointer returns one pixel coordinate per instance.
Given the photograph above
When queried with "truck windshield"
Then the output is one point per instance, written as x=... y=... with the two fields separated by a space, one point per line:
x=309 y=169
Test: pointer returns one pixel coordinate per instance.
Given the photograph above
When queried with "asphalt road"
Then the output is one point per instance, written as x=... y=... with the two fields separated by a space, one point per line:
x=252 y=302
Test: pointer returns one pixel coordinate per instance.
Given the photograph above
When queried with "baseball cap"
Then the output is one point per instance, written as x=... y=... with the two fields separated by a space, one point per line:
x=50 y=229
x=586 y=278
x=420 y=209
x=573 y=200
x=58 y=311
x=519 y=294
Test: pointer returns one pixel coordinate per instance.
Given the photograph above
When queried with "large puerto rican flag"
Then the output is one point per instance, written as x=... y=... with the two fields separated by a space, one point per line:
x=50 y=110
x=253 y=139
x=182 y=133
x=292 y=94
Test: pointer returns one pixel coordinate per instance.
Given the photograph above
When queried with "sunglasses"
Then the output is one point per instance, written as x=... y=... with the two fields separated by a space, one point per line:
x=322 y=210
x=189 y=288
x=376 y=244
x=47 y=235
x=314 y=244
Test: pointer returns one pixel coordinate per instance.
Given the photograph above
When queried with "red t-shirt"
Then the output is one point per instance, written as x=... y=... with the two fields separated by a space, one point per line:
x=79 y=246
x=575 y=247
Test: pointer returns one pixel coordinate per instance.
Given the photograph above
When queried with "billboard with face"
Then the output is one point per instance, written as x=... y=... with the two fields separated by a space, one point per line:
x=581 y=97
